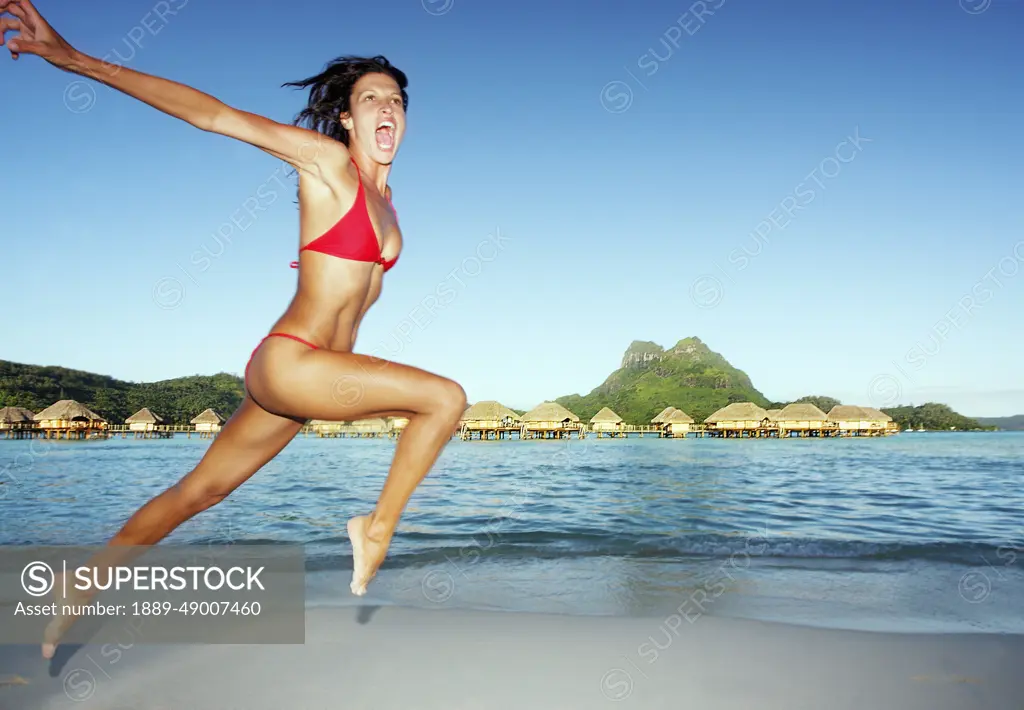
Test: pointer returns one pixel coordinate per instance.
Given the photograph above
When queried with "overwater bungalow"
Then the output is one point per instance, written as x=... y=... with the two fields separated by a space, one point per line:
x=853 y=420
x=322 y=427
x=662 y=415
x=396 y=425
x=803 y=419
x=145 y=424
x=550 y=420
x=16 y=422
x=677 y=424
x=738 y=419
x=208 y=424
x=372 y=428
x=67 y=419
x=144 y=420
x=489 y=419
x=773 y=414
x=877 y=415
x=607 y=422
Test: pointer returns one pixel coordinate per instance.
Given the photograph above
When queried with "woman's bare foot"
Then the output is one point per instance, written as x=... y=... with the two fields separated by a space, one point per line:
x=369 y=548
x=61 y=622
x=54 y=630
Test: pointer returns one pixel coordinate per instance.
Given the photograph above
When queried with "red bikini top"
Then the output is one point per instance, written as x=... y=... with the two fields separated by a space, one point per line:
x=353 y=236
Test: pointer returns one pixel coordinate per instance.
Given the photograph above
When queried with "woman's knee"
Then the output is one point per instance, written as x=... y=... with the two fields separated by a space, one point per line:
x=453 y=400
x=197 y=497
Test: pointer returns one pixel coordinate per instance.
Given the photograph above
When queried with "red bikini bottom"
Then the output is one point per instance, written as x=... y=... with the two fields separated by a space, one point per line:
x=272 y=335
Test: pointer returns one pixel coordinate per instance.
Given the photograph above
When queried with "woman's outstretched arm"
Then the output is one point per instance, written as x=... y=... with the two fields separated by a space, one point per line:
x=306 y=150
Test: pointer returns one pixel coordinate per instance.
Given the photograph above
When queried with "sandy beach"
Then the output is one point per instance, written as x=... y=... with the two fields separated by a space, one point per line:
x=392 y=657
x=822 y=578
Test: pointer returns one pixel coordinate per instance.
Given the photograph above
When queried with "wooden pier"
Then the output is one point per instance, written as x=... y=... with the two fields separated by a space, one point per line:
x=65 y=433
x=108 y=432
x=497 y=433
x=157 y=431
x=553 y=433
x=353 y=434
x=19 y=433
x=626 y=430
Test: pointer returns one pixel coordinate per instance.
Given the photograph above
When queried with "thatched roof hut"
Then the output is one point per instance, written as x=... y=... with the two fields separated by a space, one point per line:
x=883 y=420
x=550 y=416
x=489 y=414
x=679 y=417
x=606 y=416
x=662 y=415
x=850 y=417
x=209 y=420
x=876 y=415
x=549 y=412
x=678 y=423
x=773 y=414
x=847 y=413
x=801 y=412
x=208 y=417
x=145 y=416
x=144 y=420
x=321 y=426
x=802 y=417
x=606 y=420
x=68 y=412
x=16 y=415
x=373 y=425
x=741 y=414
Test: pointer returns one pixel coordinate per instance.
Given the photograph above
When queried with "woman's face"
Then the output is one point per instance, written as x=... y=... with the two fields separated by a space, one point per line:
x=377 y=117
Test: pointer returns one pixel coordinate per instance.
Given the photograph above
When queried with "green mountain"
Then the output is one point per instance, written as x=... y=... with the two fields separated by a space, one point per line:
x=177 y=401
x=1014 y=423
x=688 y=376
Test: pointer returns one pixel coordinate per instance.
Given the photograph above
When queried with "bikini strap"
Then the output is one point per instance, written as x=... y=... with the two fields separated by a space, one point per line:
x=359 y=179
x=392 y=205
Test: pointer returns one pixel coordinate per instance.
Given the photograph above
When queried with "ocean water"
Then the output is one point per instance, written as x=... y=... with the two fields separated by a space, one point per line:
x=915 y=532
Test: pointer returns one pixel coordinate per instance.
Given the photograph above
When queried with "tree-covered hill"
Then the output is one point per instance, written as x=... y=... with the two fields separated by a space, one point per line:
x=688 y=376
x=934 y=417
x=1014 y=423
x=36 y=387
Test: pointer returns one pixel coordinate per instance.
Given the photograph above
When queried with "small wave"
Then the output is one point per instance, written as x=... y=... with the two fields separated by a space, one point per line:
x=417 y=549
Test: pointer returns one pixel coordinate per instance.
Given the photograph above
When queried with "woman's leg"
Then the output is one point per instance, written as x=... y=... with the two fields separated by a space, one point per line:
x=246 y=443
x=248 y=440
x=321 y=384
x=307 y=384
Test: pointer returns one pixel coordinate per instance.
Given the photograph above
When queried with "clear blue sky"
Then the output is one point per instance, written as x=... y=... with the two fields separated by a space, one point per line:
x=626 y=154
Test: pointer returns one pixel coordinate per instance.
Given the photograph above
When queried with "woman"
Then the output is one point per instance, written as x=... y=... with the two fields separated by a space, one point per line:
x=305 y=368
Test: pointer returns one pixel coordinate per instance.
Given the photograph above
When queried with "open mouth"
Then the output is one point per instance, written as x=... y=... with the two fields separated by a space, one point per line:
x=386 y=135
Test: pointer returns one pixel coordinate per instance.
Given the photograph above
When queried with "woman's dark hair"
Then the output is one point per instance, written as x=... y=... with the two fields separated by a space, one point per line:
x=330 y=92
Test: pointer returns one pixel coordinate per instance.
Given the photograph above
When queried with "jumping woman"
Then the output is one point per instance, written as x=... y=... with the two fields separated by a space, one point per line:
x=305 y=368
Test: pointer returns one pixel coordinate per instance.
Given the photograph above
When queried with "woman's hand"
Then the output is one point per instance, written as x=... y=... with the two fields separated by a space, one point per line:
x=313 y=153
x=37 y=37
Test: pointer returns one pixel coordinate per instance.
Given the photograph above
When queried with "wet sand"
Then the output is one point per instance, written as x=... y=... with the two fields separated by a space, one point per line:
x=394 y=657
